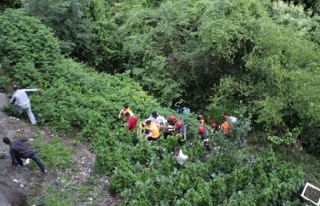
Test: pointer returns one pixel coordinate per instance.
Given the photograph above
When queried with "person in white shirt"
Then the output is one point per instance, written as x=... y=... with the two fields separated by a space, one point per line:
x=231 y=119
x=180 y=157
x=158 y=119
x=21 y=100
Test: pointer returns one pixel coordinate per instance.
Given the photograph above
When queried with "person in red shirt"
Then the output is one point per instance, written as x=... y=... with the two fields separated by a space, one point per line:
x=132 y=122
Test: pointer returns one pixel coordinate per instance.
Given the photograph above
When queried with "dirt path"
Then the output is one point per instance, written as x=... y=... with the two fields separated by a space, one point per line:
x=14 y=186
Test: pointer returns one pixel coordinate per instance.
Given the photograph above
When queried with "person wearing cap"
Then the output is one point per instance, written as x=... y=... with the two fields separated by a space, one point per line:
x=204 y=137
x=170 y=127
x=180 y=132
x=125 y=109
x=152 y=131
x=18 y=150
x=180 y=157
x=21 y=100
x=214 y=127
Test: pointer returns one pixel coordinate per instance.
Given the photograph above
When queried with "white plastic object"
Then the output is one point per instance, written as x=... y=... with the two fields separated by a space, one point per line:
x=313 y=188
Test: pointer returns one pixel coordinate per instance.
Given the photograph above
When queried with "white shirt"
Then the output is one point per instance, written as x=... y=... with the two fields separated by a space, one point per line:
x=233 y=120
x=158 y=120
x=20 y=97
x=181 y=158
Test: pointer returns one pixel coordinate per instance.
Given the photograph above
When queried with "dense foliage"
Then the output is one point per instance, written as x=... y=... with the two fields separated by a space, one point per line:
x=226 y=57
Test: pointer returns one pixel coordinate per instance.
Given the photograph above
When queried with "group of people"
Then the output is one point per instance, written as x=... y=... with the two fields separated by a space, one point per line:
x=156 y=123
x=181 y=107
x=18 y=149
x=150 y=128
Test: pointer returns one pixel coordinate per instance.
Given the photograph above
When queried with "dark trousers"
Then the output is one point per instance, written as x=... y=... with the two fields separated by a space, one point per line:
x=34 y=157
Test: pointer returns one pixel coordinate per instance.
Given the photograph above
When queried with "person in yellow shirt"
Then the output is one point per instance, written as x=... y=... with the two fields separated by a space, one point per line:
x=201 y=120
x=125 y=109
x=152 y=130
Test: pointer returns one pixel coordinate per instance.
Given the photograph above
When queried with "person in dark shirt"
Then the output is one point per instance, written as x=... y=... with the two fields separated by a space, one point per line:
x=179 y=106
x=18 y=150
x=204 y=137
x=180 y=132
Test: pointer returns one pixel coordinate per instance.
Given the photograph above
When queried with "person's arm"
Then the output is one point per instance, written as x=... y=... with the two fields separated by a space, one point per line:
x=13 y=99
x=13 y=160
x=162 y=119
x=120 y=113
x=147 y=119
x=185 y=160
x=24 y=139
x=128 y=125
x=177 y=104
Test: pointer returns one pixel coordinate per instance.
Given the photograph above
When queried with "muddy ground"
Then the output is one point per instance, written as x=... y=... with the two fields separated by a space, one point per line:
x=14 y=186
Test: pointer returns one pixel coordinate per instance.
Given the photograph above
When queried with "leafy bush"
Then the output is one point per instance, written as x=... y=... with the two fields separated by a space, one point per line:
x=28 y=49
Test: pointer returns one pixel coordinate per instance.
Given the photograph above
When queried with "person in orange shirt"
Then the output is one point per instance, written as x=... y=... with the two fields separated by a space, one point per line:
x=152 y=131
x=225 y=127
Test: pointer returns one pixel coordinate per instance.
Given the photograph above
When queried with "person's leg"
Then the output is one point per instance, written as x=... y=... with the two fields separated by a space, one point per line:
x=19 y=110
x=19 y=160
x=37 y=161
x=206 y=145
x=178 y=166
x=30 y=114
x=180 y=142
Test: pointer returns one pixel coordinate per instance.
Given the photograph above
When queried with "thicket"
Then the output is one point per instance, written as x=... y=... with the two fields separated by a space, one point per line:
x=276 y=79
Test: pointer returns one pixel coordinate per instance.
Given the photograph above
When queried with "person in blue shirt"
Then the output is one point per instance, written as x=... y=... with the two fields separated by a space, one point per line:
x=186 y=110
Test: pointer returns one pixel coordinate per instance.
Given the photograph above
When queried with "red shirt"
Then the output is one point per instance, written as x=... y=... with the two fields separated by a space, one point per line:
x=132 y=122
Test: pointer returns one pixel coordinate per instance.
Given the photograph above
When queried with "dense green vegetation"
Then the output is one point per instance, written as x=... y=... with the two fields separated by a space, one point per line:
x=258 y=61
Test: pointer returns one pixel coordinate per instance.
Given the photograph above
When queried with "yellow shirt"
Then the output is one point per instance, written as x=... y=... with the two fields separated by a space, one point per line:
x=154 y=130
x=124 y=118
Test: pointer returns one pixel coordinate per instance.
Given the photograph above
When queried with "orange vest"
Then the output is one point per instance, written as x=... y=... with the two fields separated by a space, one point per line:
x=226 y=128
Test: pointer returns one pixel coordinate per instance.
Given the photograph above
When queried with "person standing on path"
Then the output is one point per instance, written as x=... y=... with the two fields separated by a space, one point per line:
x=21 y=100
x=18 y=150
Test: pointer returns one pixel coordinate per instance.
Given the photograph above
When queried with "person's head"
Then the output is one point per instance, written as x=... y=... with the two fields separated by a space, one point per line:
x=201 y=129
x=178 y=124
x=176 y=151
x=125 y=106
x=225 y=117
x=148 y=122
x=154 y=114
x=6 y=140
x=15 y=87
x=180 y=100
x=172 y=118
x=214 y=125
x=127 y=114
